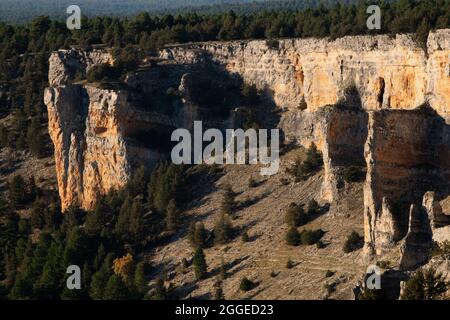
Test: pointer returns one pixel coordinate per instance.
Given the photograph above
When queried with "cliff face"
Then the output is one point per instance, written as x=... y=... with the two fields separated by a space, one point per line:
x=361 y=95
x=387 y=72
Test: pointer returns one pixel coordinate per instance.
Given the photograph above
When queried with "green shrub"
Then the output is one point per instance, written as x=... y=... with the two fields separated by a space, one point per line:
x=273 y=44
x=353 y=173
x=252 y=183
x=290 y=264
x=223 y=229
x=302 y=170
x=330 y=287
x=354 y=242
x=293 y=237
x=302 y=105
x=314 y=159
x=198 y=235
x=425 y=285
x=246 y=284
x=320 y=244
x=199 y=263
x=329 y=273
x=295 y=216
x=102 y=72
x=313 y=207
x=245 y=237
x=309 y=237
x=373 y=294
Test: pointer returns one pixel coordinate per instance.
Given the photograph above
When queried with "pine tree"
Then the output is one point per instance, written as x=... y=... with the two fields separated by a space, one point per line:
x=172 y=216
x=49 y=284
x=140 y=278
x=95 y=221
x=116 y=289
x=101 y=253
x=98 y=284
x=37 y=214
x=199 y=263
x=295 y=216
x=77 y=247
x=138 y=181
x=313 y=207
x=218 y=291
x=223 y=229
x=198 y=235
x=313 y=158
x=86 y=279
x=3 y=136
x=293 y=237
x=228 y=205
x=35 y=140
x=17 y=191
x=425 y=285
x=136 y=226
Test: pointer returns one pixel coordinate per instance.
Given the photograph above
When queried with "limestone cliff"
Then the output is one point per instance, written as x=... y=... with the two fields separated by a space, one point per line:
x=387 y=72
x=361 y=95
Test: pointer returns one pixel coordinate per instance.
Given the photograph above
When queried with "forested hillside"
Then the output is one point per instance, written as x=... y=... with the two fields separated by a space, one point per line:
x=13 y=11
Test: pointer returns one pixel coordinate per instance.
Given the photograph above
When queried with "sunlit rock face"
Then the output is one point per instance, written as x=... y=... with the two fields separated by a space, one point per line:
x=354 y=97
x=393 y=73
x=407 y=154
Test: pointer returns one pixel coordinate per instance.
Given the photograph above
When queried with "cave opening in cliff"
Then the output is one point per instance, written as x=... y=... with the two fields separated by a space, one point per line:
x=153 y=138
x=381 y=87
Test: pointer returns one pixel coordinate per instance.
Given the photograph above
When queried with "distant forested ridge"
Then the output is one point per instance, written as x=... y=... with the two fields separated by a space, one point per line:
x=19 y=11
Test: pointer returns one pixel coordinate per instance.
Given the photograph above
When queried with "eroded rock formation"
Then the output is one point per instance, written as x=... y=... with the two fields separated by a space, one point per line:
x=361 y=95
x=387 y=72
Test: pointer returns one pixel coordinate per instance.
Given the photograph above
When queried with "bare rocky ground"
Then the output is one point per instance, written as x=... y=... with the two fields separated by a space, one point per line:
x=22 y=163
x=266 y=254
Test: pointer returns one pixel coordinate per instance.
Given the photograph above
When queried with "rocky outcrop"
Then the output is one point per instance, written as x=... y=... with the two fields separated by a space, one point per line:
x=407 y=154
x=102 y=131
x=417 y=245
x=355 y=89
x=387 y=72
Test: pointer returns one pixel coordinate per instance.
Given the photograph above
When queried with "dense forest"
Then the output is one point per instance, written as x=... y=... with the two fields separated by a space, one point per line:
x=13 y=11
x=108 y=243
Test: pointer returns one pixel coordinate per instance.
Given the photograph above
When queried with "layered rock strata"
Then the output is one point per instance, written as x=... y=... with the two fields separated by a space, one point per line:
x=361 y=96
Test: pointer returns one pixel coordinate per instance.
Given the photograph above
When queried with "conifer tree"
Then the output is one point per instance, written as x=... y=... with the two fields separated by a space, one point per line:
x=172 y=216
x=223 y=229
x=116 y=289
x=199 y=263
x=198 y=235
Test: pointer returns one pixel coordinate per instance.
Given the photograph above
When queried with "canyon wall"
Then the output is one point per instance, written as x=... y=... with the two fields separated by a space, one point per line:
x=378 y=102
x=394 y=73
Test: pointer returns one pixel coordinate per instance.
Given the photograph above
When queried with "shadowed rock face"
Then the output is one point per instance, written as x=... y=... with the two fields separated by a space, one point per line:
x=355 y=89
x=407 y=154
x=101 y=135
x=387 y=72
